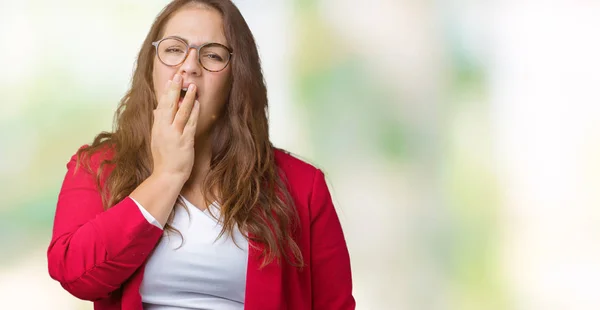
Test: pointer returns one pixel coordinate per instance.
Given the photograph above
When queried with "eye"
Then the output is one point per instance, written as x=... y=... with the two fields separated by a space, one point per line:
x=174 y=50
x=214 y=57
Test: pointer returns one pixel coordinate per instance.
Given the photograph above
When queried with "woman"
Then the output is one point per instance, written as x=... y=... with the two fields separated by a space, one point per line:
x=187 y=205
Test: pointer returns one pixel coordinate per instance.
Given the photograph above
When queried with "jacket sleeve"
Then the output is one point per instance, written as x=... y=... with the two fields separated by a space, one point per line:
x=92 y=251
x=329 y=258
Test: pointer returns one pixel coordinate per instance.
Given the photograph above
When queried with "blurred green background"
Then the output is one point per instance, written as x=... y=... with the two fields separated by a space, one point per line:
x=460 y=138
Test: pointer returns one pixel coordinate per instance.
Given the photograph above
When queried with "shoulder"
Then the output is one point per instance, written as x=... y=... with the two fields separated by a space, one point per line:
x=90 y=158
x=300 y=175
x=293 y=166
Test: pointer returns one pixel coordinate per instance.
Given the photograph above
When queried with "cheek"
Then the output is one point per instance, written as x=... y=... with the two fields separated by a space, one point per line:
x=219 y=86
x=159 y=79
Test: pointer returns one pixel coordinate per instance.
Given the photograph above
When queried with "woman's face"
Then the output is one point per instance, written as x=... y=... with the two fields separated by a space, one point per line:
x=197 y=25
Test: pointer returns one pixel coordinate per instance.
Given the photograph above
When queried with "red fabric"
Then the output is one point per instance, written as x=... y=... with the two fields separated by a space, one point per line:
x=99 y=255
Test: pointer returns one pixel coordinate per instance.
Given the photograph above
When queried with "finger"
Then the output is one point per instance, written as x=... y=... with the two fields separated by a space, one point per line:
x=173 y=96
x=192 y=122
x=161 y=102
x=161 y=113
x=167 y=106
x=183 y=114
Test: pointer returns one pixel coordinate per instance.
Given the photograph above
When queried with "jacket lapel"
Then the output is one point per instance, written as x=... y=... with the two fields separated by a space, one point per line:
x=263 y=286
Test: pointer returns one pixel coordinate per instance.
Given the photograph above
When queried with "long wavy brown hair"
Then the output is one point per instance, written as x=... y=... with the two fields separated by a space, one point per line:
x=243 y=174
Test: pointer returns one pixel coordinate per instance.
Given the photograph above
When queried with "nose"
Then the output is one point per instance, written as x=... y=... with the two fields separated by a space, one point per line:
x=191 y=66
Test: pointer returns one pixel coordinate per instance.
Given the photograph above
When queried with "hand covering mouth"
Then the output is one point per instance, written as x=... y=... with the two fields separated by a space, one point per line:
x=184 y=91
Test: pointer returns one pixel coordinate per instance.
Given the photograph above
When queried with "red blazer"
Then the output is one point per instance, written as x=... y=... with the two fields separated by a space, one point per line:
x=99 y=255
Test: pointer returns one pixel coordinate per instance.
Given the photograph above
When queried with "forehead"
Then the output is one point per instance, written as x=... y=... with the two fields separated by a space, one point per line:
x=196 y=24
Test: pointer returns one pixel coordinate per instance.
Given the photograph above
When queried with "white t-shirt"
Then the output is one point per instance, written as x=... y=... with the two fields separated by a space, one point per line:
x=201 y=272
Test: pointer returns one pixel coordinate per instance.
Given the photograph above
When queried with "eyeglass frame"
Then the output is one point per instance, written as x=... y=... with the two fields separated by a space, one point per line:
x=187 y=52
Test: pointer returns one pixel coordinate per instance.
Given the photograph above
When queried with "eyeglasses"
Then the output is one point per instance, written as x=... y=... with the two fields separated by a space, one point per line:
x=172 y=51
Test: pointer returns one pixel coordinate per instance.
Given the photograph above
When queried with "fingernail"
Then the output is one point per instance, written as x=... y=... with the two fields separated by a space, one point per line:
x=191 y=87
x=196 y=103
x=177 y=78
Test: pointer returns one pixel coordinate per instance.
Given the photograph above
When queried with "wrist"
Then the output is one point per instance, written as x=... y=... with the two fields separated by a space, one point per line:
x=168 y=180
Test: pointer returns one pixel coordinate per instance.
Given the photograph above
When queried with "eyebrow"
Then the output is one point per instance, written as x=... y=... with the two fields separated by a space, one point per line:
x=188 y=42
